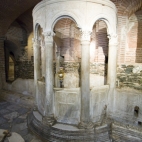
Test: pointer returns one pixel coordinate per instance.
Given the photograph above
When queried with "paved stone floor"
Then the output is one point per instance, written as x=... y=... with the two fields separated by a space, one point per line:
x=13 y=114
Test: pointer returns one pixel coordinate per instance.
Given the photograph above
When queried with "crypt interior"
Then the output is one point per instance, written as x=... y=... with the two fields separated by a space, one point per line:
x=71 y=71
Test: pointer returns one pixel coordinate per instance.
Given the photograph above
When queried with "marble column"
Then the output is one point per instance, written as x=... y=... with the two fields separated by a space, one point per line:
x=57 y=68
x=85 y=80
x=37 y=68
x=49 y=112
x=112 y=72
x=112 y=61
x=43 y=58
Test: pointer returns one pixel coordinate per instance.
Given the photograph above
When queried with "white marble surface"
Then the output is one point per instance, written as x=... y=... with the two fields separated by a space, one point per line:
x=65 y=127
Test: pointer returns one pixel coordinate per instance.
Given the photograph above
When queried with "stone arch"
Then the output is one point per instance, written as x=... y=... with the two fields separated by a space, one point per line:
x=36 y=32
x=65 y=14
x=9 y=47
x=110 y=22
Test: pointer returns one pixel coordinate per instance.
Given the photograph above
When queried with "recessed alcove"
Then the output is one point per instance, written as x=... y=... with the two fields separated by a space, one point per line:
x=136 y=111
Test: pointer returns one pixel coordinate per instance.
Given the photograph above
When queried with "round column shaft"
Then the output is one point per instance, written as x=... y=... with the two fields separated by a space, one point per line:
x=37 y=62
x=49 y=113
x=112 y=61
x=85 y=81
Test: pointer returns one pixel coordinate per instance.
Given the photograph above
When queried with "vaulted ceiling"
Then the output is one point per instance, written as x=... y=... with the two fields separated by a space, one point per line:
x=11 y=10
x=21 y=10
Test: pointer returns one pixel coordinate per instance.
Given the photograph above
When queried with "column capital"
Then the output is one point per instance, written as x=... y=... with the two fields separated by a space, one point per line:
x=48 y=36
x=35 y=41
x=113 y=39
x=85 y=35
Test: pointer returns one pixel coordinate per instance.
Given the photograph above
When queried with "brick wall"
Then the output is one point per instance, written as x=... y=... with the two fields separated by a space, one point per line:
x=134 y=36
x=17 y=36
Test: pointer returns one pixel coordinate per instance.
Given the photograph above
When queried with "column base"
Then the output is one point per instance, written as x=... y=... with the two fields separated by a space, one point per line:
x=48 y=120
x=86 y=125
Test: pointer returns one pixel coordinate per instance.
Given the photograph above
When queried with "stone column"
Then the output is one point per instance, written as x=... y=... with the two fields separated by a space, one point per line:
x=37 y=68
x=85 y=80
x=43 y=58
x=57 y=82
x=112 y=72
x=112 y=61
x=49 y=112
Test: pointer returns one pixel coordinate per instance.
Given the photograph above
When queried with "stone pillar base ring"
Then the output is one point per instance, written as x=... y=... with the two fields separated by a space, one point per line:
x=48 y=120
x=86 y=125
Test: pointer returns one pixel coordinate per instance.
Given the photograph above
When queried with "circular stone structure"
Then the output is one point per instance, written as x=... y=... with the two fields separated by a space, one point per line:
x=70 y=106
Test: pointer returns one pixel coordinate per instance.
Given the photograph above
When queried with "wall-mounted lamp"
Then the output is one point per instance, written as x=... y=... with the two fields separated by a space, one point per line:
x=61 y=76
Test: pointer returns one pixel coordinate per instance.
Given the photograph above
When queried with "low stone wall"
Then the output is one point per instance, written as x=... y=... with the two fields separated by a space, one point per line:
x=23 y=86
x=98 y=74
x=98 y=69
x=24 y=69
x=129 y=76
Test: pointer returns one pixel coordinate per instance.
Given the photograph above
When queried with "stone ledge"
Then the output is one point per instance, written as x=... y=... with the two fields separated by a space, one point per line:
x=105 y=132
x=55 y=133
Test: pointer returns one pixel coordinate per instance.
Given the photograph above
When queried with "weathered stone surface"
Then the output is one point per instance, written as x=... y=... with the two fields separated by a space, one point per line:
x=24 y=86
x=2 y=120
x=15 y=138
x=98 y=97
x=67 y=105
x=130 y=76
x=19 y=127
x=137 y=69
x=35 y=140
x=1 y=134
x=11 y=116
x=97 y=80
x=71 y=80
x=24 y=69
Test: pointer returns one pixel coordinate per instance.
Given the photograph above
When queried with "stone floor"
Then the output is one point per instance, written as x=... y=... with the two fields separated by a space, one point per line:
x=14 y=109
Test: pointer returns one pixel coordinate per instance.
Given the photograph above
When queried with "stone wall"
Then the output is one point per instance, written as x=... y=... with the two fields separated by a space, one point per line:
x=2 y=62
x=98 y=74
x=129 y=76
x=24 y=69
x=123 y=109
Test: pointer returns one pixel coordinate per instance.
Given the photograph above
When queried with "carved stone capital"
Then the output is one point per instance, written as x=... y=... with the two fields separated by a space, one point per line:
x=85 y=35
x=48 y=36
x=86 y=125
x=113 y=39
x=36 y=42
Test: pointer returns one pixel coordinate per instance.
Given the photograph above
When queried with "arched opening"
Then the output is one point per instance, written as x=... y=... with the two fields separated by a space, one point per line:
x=98 y=54
x=67 y=52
